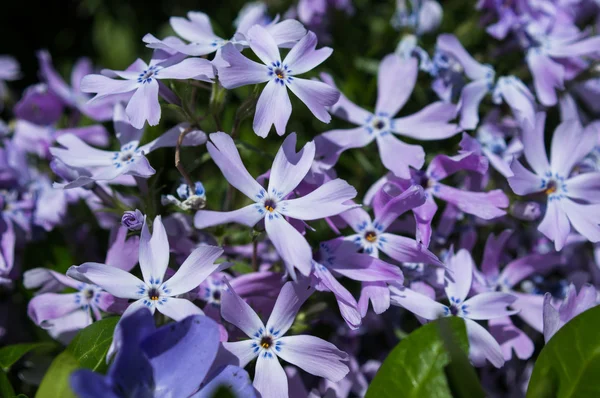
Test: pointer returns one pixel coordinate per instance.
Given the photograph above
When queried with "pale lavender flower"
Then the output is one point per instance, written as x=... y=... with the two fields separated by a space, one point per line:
x=143 y=80
x=268 y=343
x=202 y=40
x=133 y=220
x=573 y=305
x=274 y=106
x=396 y=79
x=572 y=201
x=130 y=160
x=154 y=292
x=484 y=306
x=272 y=204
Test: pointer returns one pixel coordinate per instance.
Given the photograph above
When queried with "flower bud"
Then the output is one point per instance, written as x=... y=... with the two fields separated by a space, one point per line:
x=133 y=220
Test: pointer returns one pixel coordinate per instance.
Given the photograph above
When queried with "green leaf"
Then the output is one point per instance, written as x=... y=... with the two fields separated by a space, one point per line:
x=12 y=353
x=90 y=345
x=569 y=365
x=56 y=381
x=6 y=389
x=415 y=367
x=87 y=350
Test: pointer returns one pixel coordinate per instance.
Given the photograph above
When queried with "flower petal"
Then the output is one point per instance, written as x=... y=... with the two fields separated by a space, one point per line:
x=344 y=108
x=242 y=350
x=289 y=168
x=417 y=303
x=144 y=105
x=398 y=157
x=224 y=153
x=316 y=95
x=273 y=107
x=471 y=96
x=555 y=224
x=430 y=123
x=584 y=186
x=291 y=246
x=459 y=276
x=547 y=76
x=248 y=215
x=489 y=305
x=482 y=345
x=409 y=199
x=303 y=56
x=189 y=68
x=523 y=181
x=194 y=270
x=395 y=82
x=511 y=338
x=269 y=378
x=378 y=294
x=534 y=147
x=451 y=45
x=103 y=86
x=114 y=280
x=45 y=308
x=290 y=299
x=80 y=154
x=326 y=201
x=177 y=308
x=236 y=311
x=241 y=71
x=236 y=381
x=584 y=218
x=570 y=144
x=263 y=44
x=197 y=29
x=404 y=249
x=486 y=205
x=315 y=356
x=154 y=252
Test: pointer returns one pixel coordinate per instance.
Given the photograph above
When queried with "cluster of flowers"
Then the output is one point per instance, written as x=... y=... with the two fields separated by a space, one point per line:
x=403 y=256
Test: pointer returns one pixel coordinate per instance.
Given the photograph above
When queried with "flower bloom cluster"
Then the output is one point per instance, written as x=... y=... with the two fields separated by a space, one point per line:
x=297 y=281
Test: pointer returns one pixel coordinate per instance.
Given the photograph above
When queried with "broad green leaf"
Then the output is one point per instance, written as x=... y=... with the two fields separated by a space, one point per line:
x=12 y=353
x=415 y=367
x=87 y=350
x=569 y=365
x=90 y=345
x=56 y=381
x=6 y=389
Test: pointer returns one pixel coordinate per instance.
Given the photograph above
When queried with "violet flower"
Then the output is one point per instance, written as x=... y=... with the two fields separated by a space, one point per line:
x=395 y=83
x=133 y=220
x=101 y=110
x=271 y=204
x=485 y=205
x=573 y=305
x=274 y=106
x=484 y=306
x=154 y=292
x=65 y=314
x=143 y=80
x=176 y=360
x=39 y=105
x=572 y=201
x=452 y=56
x=268 y=343
x=9 y=71
x=423 y=16
x=130 y=160
x=202 y=40
x=491 y=279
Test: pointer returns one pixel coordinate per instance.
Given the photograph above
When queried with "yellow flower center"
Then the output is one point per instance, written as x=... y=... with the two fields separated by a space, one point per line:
x=266 y=342
x=371 y=236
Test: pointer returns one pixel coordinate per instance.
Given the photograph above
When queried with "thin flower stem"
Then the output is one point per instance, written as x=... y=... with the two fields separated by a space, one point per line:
x=106 y=198
x=178 y=163
x=255 y=255
x=201 y=85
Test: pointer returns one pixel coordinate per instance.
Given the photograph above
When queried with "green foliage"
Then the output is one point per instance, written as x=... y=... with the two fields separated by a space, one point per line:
x=569 y=364
x=12 y=353
x=87 y=350
x=6 y=389
x=415 y=367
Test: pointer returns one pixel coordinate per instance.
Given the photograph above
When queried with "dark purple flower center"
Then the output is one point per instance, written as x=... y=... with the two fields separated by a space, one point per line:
x=154 y=294
x=370 y=236
x=266 y=342
x=551 y=187
x=379 y=124
x=88 y=294
x=454 y=310
x=216 y=295
x=270 y=205
x=279 y=73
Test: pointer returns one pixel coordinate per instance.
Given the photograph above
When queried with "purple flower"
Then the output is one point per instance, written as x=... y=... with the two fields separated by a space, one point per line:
x=154 y=292
x=272 y=205
x=133 y=220
x=198 y=31
x=396 y=80
x=489 y=305
x=572 y=201
x=65 y=314
x=274 y=106
x=176 y=360
x=103 y=165
x=72 y=96
x=424 y=16
x=268 y=343
x=39 y=105
x=491 y=279
x=485 y=205
x=573 y=305
x=143 y=80
x=37 y=139
x=451 y=55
